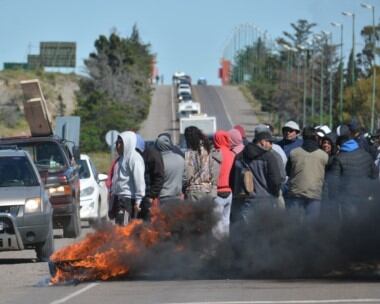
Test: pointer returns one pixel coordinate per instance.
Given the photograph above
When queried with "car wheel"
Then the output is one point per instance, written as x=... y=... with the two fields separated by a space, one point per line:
x=44 y=250
x=73 y=226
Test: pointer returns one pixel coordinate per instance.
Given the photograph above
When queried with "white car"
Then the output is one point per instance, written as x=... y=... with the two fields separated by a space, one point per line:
x=93 y=192
x=187 y=108
x=183 y=88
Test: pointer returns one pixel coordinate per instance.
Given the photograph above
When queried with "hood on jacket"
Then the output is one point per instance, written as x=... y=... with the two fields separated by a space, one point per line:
x=236 y=141
x=253 y=151
x=310 y=145
x=349 y=146
x=222 y=139
x=241 y=130
x=163 y=143
x=129 y=141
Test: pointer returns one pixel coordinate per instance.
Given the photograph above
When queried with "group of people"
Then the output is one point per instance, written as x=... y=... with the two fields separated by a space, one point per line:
x=314 y=170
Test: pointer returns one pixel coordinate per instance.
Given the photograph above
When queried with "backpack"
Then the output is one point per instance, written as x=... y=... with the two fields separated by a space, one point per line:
x=247 y=179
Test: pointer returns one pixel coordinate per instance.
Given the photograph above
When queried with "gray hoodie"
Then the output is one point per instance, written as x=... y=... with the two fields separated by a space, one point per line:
x=128 y=177
x=174 y=166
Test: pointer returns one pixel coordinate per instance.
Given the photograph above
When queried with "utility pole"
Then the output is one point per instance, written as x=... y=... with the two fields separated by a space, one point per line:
x=373 y=39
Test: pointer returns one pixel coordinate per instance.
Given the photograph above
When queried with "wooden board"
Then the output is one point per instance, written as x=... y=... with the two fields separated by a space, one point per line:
x=35 y=109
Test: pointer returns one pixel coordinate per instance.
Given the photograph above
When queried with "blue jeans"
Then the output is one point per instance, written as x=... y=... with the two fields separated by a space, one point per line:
x=311 y=206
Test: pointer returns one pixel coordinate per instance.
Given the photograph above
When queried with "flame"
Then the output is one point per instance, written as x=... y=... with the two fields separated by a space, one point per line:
x=111 y=252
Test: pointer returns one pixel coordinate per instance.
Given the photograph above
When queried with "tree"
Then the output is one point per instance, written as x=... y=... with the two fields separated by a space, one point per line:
x=302 y=29
x=116 y=94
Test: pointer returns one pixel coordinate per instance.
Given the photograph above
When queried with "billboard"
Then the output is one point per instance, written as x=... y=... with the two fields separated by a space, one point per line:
x=58 y=54
x=34 y=61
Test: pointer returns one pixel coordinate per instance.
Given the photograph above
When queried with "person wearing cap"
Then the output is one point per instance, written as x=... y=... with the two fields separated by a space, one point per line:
x=290 y=139
x=306 y=171
x=174 y=166
x=265 y=169
x=358 y=135
x=322 y=131
x=353 y=174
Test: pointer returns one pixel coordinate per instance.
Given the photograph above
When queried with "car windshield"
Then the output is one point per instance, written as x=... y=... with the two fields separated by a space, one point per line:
x=84 y=170
x=46 y=155
x=17 y=171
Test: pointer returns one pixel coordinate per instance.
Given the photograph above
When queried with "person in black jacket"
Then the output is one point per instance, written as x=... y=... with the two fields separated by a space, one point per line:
x=154 y=176
x=266 y=174
x=353 y=173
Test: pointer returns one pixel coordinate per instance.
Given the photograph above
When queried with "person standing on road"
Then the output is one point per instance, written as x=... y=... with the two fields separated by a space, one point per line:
x=223 y=160
x=174 y=166
x=354 y=174
x=306 y=171
x=128 y=184
x=198 y=178
x=290 y=139
x=154 y=176
x=264 y=166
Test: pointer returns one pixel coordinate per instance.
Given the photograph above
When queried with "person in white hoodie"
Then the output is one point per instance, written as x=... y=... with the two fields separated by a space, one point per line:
x=128 y=184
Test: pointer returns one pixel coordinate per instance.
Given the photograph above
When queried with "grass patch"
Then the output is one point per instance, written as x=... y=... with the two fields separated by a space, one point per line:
x=262 y=117
x=102 y=161
x=21 y=129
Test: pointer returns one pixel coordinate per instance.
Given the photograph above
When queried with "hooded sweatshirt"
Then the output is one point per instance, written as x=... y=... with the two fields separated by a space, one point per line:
x=222 y=144
x=128 y=175
x=174 y=166
x=265 y=169
x=236 y=141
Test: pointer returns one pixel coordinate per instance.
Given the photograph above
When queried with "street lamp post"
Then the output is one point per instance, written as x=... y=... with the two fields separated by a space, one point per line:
x=341 y=71
x=302 y=48
x=329 y=44
x=353 y=58
x=373 y=39
x=321 y=38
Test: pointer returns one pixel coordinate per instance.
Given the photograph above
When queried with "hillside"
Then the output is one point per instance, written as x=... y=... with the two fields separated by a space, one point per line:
x=59 y=91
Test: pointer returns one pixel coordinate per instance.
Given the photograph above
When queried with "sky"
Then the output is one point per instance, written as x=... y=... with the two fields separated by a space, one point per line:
x=186 y=36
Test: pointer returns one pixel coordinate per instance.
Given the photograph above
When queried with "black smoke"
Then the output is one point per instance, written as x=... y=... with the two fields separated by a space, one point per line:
x=272 y=243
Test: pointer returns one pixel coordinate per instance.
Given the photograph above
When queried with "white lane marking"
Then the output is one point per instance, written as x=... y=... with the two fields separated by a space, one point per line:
x=343 y=301
x=74 y=294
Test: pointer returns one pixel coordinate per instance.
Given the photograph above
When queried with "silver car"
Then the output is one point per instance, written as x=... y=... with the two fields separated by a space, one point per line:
x=25 y=209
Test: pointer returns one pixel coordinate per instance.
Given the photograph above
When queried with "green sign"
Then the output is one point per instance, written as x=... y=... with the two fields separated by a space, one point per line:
x=15 y=66
x=34 y=61
x=58 y=54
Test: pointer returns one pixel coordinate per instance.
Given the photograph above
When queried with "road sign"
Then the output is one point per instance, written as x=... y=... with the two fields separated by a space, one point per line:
x=58 y=54
x=111 y=137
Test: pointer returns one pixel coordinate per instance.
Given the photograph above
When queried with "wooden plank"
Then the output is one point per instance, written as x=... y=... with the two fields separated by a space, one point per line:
x=35 y=116
x=35 y=108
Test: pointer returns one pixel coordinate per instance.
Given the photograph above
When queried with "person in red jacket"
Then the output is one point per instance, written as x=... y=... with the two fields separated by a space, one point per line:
x=223 y=161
